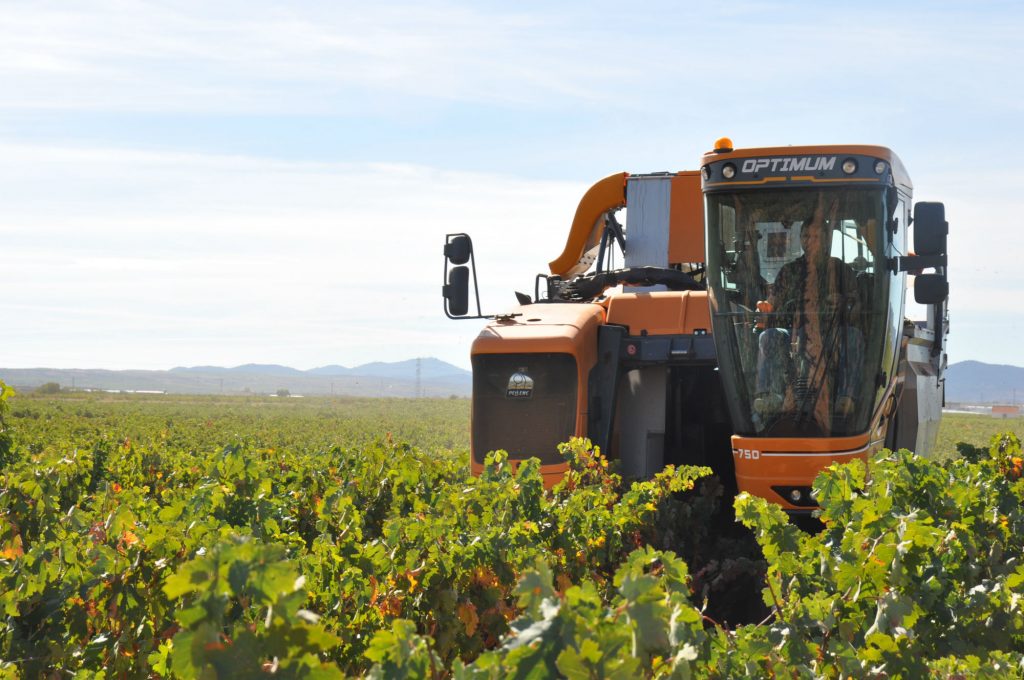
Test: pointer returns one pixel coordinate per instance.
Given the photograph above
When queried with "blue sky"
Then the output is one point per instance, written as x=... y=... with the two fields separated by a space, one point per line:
x=189 y=183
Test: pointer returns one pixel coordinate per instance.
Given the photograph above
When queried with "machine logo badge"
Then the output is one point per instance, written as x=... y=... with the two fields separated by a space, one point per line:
x=520 y=385
x=801 y=164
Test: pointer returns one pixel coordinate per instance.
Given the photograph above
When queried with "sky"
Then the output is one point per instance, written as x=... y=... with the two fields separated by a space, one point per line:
x=196 y=183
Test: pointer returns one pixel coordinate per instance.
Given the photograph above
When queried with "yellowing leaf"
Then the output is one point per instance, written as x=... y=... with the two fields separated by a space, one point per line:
x=467 y=614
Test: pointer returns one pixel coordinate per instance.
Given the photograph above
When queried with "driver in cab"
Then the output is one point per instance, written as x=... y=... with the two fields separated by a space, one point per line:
x=810 y=340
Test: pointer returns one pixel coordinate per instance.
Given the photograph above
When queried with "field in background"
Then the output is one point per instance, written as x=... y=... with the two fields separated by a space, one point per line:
x=332 y=421
x=257 y=421
x=167 y=536
x=976 y=429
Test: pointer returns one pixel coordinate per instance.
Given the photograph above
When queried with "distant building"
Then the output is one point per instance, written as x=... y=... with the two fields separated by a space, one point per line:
x=1005 y=411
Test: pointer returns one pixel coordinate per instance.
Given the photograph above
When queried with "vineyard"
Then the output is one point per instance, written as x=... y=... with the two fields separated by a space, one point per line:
x=151 y=537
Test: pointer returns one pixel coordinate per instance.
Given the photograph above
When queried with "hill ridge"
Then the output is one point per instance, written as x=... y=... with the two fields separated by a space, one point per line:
x=436 y=378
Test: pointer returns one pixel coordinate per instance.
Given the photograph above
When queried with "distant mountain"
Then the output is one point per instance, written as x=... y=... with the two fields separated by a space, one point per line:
x=397 y=379
x=966 y=381
x=267 y=369
x=261 y=369
x=199 y=369
x=429 y=368
x=333 y=369
x=977 y=382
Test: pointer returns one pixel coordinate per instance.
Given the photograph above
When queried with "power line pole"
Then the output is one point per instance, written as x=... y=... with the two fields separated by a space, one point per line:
x=419 y=384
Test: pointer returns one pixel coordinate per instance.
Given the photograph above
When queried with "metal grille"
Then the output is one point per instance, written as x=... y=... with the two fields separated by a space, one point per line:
x=525 y=422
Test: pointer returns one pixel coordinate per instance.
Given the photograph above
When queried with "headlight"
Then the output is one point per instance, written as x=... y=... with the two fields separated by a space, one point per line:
x=879 y=167
x=728 y=171
x=849 y=166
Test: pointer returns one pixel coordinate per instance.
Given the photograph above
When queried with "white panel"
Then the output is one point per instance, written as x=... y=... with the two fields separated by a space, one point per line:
x=648 y=200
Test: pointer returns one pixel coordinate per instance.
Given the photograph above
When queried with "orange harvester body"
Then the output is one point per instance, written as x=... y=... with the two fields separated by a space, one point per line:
x=754 y=323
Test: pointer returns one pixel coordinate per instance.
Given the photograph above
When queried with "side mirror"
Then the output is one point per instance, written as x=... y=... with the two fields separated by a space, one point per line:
x=930 y=229
x=930 y=289
x=930 y=232
x=930 y=235
x=458 y=260
x=456 y=292
x=458 y=249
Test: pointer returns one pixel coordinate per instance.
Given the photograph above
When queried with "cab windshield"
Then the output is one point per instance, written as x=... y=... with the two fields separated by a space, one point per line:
x=800 y=295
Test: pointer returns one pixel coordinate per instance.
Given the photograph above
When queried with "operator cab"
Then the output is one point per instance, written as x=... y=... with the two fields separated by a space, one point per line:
x=806 y=269
x=801 y=304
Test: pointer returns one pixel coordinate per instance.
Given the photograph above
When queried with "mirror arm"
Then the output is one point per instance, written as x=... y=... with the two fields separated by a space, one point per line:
x=918 y=262
x=446 y=288
x=940 y=328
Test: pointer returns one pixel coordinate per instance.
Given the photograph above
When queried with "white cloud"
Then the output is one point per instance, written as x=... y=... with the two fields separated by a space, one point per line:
x=306 y=57
x=126 y=255
x=259 y=56
x=144 y=259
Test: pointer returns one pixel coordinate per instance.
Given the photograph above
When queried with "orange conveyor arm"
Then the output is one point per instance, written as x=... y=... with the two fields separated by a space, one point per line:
x=605 y=195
